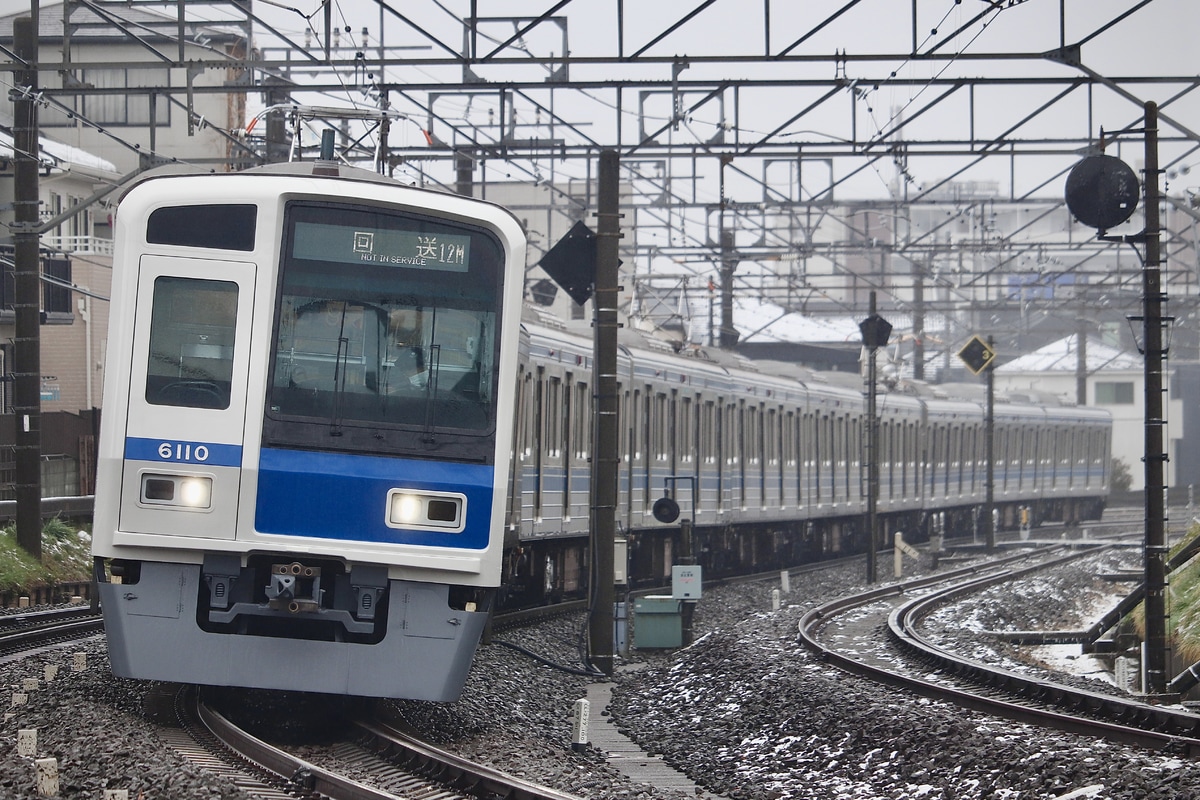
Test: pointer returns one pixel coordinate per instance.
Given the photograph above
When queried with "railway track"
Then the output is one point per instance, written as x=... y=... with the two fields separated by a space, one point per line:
x=364 y=753
x=26 y=631
x=837 y=632
x=388 y=763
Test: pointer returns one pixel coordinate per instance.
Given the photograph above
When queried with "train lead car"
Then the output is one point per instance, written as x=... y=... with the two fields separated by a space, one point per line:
x=303 y=465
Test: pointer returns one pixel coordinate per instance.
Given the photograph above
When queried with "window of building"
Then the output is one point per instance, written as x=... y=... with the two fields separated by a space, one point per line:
x=1112 y=393
x=121 y=108
x=56 y=288
x=60 y=476
x=56 y=292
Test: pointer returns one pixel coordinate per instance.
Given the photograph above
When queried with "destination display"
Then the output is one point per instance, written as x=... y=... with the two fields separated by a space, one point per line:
x=316 y=241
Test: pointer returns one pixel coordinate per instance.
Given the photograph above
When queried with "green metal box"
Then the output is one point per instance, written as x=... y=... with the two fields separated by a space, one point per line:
x=657 y=622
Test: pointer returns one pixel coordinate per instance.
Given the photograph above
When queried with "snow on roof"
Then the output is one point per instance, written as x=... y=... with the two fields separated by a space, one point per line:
x=766 y=322
x=60 y=154
x=759 y=321
x=1060 y=356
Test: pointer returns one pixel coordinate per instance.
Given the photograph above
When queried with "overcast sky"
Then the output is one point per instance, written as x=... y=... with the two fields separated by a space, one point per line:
x=1157 y=39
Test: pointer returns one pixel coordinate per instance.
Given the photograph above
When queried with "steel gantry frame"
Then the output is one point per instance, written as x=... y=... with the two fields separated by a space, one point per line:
x=801 y=151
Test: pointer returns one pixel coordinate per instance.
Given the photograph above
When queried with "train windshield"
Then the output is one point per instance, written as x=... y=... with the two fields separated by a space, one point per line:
x=386 y=323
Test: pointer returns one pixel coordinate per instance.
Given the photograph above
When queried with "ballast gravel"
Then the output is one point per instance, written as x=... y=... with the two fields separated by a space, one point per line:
x=745 y=711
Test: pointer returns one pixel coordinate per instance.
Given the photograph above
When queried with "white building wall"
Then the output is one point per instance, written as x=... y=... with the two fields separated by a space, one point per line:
x=204 y=143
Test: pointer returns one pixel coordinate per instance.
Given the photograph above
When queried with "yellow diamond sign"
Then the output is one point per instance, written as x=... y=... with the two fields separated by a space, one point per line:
x=977 y=355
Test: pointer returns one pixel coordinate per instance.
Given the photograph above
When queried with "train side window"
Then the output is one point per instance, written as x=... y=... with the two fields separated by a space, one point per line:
x=753 y=439
x=626 y=434
x=686 y=432
x=775 y=448
x=647 y=440
x=708 y=433
x=568 y=416
x=658 y=432
x=582 y=421
x=552 y=411
x=528 y=416
x=192 y=330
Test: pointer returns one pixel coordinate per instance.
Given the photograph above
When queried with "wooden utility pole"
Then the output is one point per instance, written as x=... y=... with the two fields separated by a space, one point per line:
x=27 y=294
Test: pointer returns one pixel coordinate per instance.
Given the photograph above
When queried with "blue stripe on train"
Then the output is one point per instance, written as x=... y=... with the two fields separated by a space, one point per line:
x=339 y=496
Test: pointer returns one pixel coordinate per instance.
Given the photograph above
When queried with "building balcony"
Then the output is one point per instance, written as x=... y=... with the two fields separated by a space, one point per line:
x=78 y=245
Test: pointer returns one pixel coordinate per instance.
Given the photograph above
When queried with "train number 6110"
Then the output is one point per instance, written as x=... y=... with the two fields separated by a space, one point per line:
x=182 y=451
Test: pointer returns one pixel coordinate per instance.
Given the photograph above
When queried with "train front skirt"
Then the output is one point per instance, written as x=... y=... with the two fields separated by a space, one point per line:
x=153 y=633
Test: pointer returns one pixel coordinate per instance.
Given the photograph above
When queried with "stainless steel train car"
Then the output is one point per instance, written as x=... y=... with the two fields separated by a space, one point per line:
x=766 y=461
x=304 y=463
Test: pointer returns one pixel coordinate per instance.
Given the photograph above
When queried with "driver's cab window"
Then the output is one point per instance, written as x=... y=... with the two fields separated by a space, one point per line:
x=191 y=343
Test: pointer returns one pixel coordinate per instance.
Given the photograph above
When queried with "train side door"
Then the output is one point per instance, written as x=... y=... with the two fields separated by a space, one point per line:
x=187 y=397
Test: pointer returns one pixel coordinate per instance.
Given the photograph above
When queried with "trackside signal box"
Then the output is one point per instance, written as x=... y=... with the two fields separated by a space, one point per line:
x=685 y=581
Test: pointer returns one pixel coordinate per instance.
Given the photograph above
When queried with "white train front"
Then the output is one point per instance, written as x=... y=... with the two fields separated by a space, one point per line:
x=303 y=463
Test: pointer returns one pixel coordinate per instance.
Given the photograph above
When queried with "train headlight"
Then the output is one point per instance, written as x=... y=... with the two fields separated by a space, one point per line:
x=437 y=511
x=196 y=492
x=406 y=509
x=182 y=491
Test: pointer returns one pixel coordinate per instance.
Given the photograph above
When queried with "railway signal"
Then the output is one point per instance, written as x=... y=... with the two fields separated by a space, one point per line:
x=1102 y=191
x=571 y=263
x=875 y=333
x=977 y=355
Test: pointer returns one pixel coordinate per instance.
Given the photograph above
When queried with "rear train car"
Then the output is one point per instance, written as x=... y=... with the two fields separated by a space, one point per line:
x=304 y=461
x=767 y=462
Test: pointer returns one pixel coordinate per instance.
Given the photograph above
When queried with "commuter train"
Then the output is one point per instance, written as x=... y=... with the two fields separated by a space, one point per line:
x=340 y=440
x=303 y=467
x=766 y=460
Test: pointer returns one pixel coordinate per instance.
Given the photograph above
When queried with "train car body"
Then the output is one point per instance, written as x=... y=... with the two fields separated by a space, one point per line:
x=767 y=461
x=303 y=466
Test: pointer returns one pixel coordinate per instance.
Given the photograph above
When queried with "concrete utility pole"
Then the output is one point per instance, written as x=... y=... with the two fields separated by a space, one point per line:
x=1157 y=642
x=27 y=295
x=989 y=439
x=872 y=455
x=1081 y=373
x=278 y=143
x=918 y=321
x=605 y=459
x=875 y=332
x=728 y=337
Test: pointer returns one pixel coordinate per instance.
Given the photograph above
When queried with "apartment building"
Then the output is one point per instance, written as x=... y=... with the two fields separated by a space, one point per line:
x=137 y=107
x=94 y=141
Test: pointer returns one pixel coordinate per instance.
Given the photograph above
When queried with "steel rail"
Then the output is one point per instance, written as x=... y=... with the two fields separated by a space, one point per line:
x=44 y=616
x=19 y=632
x=390 y=739
x=1110 y=716
x=438 y=767
x=291 y=771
